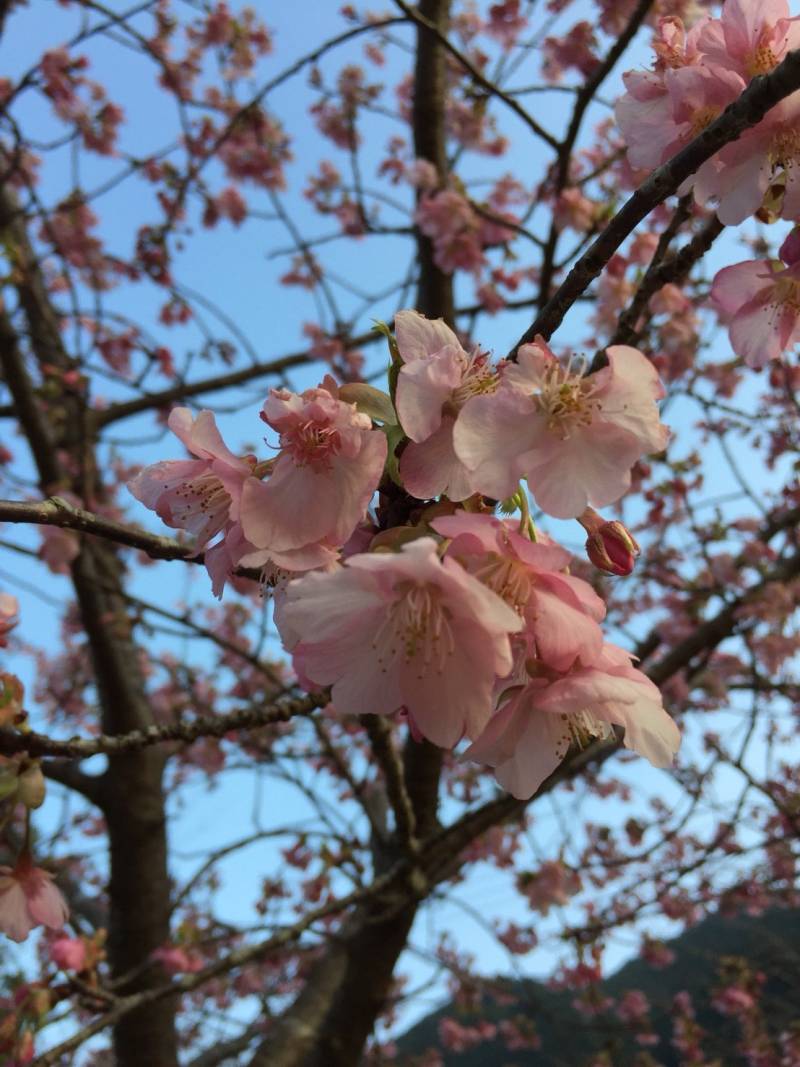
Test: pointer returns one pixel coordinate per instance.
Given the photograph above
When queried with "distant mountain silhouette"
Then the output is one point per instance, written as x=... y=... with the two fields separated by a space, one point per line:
x=769 y=943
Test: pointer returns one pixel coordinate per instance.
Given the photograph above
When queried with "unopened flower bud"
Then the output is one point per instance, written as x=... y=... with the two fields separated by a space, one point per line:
x=610 y=545
x=31 y=786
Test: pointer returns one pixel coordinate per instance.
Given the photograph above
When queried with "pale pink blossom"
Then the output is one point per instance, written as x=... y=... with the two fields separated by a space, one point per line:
x=328 y=467
x=561 y=613
x=534 y=729
x=759 y=300
x=402 y=630
x=199 y=495
x=750 y=37
x=435 y=381
x=574 y=437
x=759 y=168
x=28 y=898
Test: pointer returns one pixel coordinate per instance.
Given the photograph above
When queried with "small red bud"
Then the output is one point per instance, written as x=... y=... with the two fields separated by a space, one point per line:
x=610 y=545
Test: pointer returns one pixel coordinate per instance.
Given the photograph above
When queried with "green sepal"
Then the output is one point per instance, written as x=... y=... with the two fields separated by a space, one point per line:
x=394 y=435
x=369 y=401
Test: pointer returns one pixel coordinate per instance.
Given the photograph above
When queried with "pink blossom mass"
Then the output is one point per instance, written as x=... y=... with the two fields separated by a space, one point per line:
x=573 y=436
x=533 y=730
x=434 y=383
x=403 y=630
x=561 y=613
x=198 y=495
x=328 y=466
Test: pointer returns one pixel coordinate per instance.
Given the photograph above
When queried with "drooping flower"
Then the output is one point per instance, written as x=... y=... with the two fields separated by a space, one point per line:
x=534 y=729
x=402 y=630
x=434 y=383
x=574 y=437
x=199 y=495
x=760 y=302
x=561 y=613
x=28 y=898
x=329 y=465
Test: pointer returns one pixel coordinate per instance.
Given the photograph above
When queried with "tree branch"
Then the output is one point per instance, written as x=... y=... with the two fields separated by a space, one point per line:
x=762 y=94
x=36 y=745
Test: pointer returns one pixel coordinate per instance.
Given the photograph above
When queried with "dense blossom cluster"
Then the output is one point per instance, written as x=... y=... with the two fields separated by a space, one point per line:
x=469 y=625
x=697 y=73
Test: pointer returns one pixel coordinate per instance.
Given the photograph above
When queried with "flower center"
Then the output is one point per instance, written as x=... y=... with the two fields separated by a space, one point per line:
x=702 y=118
x=509 y=578
x=566 y=400
x=787 y=294
x=202 y=497
x=310 y=444
x=417 y=627
x=479 y=377
x=761 y=60
x=785 y=149
x=580 y=728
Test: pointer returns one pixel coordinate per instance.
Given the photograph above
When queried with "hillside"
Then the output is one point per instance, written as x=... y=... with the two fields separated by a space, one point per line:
x=770 y=943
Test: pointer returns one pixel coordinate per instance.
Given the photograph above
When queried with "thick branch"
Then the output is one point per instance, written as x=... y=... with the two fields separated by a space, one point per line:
x=762 y=94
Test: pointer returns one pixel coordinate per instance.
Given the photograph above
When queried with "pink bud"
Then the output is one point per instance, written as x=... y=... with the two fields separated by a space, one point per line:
x=610 y=546
x=69 y=953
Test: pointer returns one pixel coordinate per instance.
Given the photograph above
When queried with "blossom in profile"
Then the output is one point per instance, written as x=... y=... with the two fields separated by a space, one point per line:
x=759 y=300
x=405 y=630
x=198 y=495
x=329 y=464
x=435 y=381
x=575 y=437
x=561 y=613
x=535 y=727
x=29 y=898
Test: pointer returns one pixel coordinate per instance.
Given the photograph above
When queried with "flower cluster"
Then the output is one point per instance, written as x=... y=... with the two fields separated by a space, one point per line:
x=468 y=625
x=696 y=75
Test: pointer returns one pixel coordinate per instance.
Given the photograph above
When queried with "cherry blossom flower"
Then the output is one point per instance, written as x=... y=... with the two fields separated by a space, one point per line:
x=561 y=613
x=435 y=381
x=28 y=898
x=328 y=467
x=750 y=37
x=199 y=495
x=534 y=729
x=574 y=437
x=402 y=630
x=760 y=302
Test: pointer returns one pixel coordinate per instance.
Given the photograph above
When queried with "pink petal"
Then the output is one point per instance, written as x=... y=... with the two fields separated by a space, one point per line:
x=491 y=437
x=432 y=468
x=417 y=336
x=423 y=386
